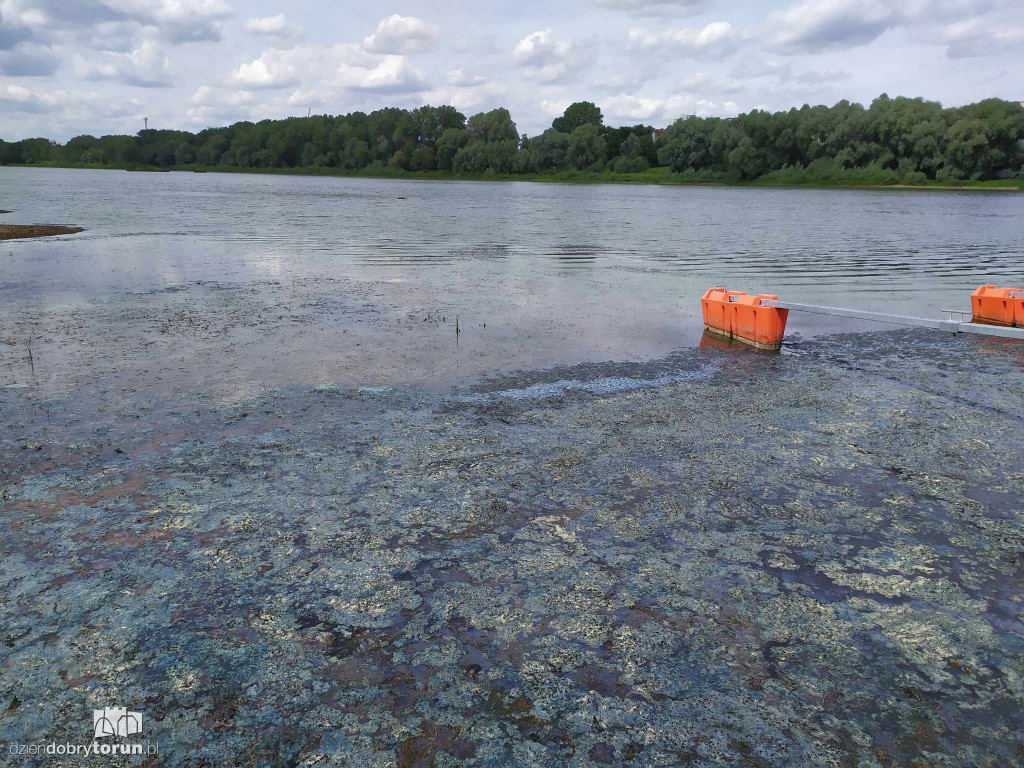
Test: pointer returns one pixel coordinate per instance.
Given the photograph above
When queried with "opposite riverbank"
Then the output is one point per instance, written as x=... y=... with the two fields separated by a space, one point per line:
x=659 y=175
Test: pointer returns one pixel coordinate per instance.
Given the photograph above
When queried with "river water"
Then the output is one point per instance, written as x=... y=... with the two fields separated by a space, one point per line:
x=235 y=280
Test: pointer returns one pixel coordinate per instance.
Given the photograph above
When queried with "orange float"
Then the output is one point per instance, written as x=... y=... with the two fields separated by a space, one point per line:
x=998 y=306
x=735 y=315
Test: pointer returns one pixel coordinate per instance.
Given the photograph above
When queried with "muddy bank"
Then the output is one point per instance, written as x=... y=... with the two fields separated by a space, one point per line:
x=18 y=231
x=717 y=558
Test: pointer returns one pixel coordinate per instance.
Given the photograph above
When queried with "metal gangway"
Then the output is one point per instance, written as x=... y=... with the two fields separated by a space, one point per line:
x=950 y=325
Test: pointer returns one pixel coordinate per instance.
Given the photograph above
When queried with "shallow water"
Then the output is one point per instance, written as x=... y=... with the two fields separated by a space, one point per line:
x=227 y=279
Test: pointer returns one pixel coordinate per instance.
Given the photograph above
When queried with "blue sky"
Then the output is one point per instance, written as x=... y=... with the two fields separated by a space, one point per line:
x=98 y=66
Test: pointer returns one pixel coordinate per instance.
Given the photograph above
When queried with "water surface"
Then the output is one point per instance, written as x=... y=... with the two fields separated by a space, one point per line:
x=230 y=279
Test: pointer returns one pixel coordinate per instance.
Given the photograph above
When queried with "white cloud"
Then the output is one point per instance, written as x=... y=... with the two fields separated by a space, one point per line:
x=628 y=109
x=705 y=108
x=540 y=48
x=546 y=59
x=402 y=34
x=715 y=41
x=272 y=26
x=275 y=68
x=328 y=68
x=147 y=66
x=463 y=79
x=20 y=99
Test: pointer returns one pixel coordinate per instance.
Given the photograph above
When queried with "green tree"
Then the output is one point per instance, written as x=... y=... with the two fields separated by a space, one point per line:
x=183 y=154
x=576 y=115
x=586 y=147
x=451 y=141
x=631 y=158
x=495 y=125
x=423 y=158
x=548 y=150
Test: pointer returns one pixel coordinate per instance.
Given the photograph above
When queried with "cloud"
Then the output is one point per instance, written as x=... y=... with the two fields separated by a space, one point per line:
x=147 y=66
x=275 y=68
x=977 y=37
x=393 y=75
x=12 y=34
x=272 y=26
x=175 y=21
x=653 y=7
x=402 y=34
x=703 y=82
x=622 y=80
x=546 y=59
x=715 y=41
x=967 y=27
x=63 y=105
x=478 y=47
x=822 y=25
x=27 y=60
x=628 y=109
x=751 y=66
x=19 y=99
x=207 y=96
x=463 y=79
x=178 y=21
x=328 y=68
x=825 y=76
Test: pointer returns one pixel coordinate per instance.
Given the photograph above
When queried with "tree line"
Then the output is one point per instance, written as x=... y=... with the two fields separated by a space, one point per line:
x=893 y=140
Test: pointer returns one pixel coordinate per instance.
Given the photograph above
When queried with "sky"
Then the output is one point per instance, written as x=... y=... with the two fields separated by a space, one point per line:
x=69 y=67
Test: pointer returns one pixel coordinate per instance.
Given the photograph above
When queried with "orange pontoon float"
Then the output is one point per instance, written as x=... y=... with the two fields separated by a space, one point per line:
x=760 y=321
x=747 y=319
x=998 y=306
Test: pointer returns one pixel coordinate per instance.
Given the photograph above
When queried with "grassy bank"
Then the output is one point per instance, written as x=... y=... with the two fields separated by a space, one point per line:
x=853 y=178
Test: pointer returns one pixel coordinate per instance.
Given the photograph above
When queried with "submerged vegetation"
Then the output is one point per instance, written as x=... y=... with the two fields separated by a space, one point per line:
x=893 y=141
x=19 y=231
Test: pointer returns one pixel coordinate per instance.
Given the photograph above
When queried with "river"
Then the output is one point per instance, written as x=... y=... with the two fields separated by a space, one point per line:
x=240 y=280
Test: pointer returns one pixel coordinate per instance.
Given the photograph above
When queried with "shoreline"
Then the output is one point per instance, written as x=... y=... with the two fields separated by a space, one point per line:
x=658 y=176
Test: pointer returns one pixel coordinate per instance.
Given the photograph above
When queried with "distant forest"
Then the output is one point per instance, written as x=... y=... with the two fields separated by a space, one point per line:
x=897 y=140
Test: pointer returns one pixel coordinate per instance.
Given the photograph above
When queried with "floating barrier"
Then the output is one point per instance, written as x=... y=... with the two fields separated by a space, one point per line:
x=747 y=319
x=998 y=306
x=760 y=321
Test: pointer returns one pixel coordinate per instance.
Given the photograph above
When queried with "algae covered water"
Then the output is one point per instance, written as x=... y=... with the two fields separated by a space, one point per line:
x=255 y=487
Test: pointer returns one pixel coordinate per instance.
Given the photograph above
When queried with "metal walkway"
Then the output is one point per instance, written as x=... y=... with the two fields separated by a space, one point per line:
x=951 y=326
